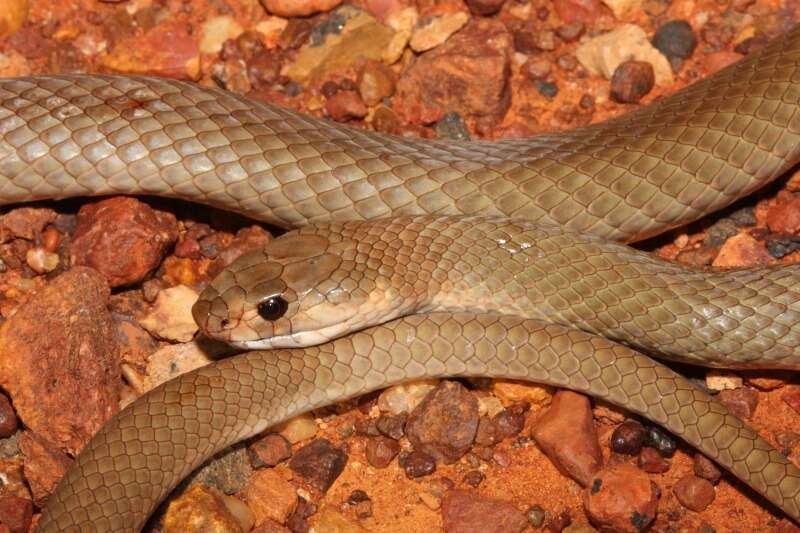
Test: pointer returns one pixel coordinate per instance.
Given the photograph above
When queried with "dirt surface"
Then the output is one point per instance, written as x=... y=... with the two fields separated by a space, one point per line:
x=482 y=69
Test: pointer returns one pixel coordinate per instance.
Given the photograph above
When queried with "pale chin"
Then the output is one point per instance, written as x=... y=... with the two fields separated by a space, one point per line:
x=301 y=339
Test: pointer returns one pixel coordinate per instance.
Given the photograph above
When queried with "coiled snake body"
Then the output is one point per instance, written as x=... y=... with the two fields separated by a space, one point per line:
x=572 y=295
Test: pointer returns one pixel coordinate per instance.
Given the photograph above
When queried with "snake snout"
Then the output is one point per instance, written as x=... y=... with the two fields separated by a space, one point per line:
x=214 y=318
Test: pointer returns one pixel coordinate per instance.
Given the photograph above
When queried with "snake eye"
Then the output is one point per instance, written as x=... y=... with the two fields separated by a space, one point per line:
x=272 y=308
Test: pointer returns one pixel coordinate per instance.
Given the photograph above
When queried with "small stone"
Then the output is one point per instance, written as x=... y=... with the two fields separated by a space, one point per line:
x=783 y=218
x=269 y=496
x=216 y=30
x=782 y=246
x=559 y=522
x=628 y=438
x=297 y=522
x=16 y=513
x=466 y=512
x=269 y=450
x=537 y=68
x=229 y=471
x=473 y=478
x=719 y=380
x=418 y=464
x=742 y=402
x=620 y=8
x=392 y=426
x=13 y=14
x=484 y=8
x=381 y=450
x=171 y=316
x=664 y=443
x=651 y=461
x=547 y=88
x=431 y=501
x=345 y=105
x=694 y=493
x=452 y=127
x=510 y=421
x=675 y=39
x=566 y=434
x=570 y=32
x=404 y=398
x=536 y=515
x=168 y=49
x=578 y=11
x=632 y=80
x=122 y=238
x=622 y=498
x=43 y=466
x=742 y=251
x=770 y=380
x=488 y=433
x=8 y=419
x=298 y=8
x=510 y=392
x=720 y=231
x=375 y=82
x=444 y=424
x=299 y=428
x=173 y=360
x=330 y=520
x=706 y=469
x=567 y=62
x=385 y=120
x=366 y=427
x=437 y=31
x=41 y=261
x=320 y=463
x=199 y=509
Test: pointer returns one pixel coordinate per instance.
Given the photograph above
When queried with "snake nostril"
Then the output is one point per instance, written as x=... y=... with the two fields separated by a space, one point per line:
x=225 y=322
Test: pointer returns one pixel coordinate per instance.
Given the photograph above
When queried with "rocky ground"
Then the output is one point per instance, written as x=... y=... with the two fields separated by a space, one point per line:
x=94 y=295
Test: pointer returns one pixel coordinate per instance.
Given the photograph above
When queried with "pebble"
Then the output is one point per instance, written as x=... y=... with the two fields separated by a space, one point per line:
x=628 y=438
x=431 y=501
x=228 y=472
x=381 y=450
x=404 y=398
x=620 y=8
x=571 y=31
x=694 y=493
x=298 y=8
x=8 y=419
x=41 y=261
x=706 y=469
x=319 y=463
x=578 y=11
x=375 y=82
x=742 y=402
x=25 y=223
x=392 y=426
x=269 y=450
x=622 y=498
x=510 y=421
x=444 y=424
x=199 y=507
x=173 y=360
x=297 y=522
x=567 y=62
x=489 y=406
x=171 y=316
x=567 y=435
x=546 y=88
x=122 y=238
x=437 y=31
x=385 y=120
x=330 y=520
x=13 y=14
x=452 y=127
x=663 y=442
x=783 y=217
x=484 y=8
x=345 y=105
x=718 y=380
x=742 y=251
x=559 y=522
x=269 y=496
x=418 y=464
x=466 y=512
x=488 y=433
x=299 y=428
x=473 y=478
x=770 y=380
x=216 y=30
x=510 y=391
x=16 y=513
x=632 y=81
x=536 y=515
x=783 y=246
x=651 y=461
x=720 y=231
x=604 y=53
x=537 y=68
x=676 y=40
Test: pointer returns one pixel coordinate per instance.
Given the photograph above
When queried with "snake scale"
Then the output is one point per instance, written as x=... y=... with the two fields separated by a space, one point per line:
x=561 y=199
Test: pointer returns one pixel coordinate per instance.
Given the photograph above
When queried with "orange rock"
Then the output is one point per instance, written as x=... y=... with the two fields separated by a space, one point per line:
x=740 y=251
x=269 y=496
x=784 y=217
x=13 y=14
x=44 y=465
x=167 y=50
x=299 y=8
x=199 y=509
x=466 y=512
x=622 y=498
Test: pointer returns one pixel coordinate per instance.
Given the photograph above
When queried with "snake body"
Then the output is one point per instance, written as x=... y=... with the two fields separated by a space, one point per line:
x=655 y=168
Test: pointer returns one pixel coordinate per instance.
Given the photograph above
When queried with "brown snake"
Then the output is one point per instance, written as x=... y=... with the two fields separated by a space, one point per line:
x=655 y=168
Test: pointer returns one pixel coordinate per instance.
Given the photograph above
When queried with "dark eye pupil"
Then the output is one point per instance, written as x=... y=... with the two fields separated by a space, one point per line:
x=272 y=308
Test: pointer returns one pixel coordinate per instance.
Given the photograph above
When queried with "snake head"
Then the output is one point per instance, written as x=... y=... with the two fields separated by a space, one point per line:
x=301 y=290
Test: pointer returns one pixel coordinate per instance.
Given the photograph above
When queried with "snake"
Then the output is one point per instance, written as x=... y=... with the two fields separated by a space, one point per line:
x=417 y=258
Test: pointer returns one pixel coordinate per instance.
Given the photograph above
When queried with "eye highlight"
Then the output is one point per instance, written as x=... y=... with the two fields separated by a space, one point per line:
x=272 y=308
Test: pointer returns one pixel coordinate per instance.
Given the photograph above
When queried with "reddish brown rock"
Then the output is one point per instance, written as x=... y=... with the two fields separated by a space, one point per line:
x=485 y=7
x=468 y=74
x=792 y=398
x=784 y=217
x=269 y=450
x=566 y=434
x=511 y=420
x=418 y=464
x=59 y=359
x=43 y=467
x=299 y=8
x=651 y=461
x=345 y=105
x=381 y=450
x=578 y=11
x=375 y=82
x=444 y=424
x=269 y=496
x=706 y=469
x=694 y=493
x=8 y=419
x=14 y=482
x=16 y=513
x=632 y=81
x=25 y=223
x=122 y=238
x=742 y=401
x=169 y=50
x=199 y=509
x=246 y=240
x=393 y=426
x=628 y=438
x=466 y=512
x=740 y=251
x=622 y=498
x=320 y=463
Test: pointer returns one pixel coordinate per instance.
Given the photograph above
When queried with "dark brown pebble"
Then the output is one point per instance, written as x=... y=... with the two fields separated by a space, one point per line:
x=357 y=496
x=367 y=427
x=381 y=450
x=419 y=464
x=298 y=520
x=485 y=7
x=661 y=441
x=651 y=461
x=488 y=433
x=511 y=420
x=385 y=120
x=473 y=478
x=706 y=469
x=320 y=463
x=675 y=39
x=8 y=419
x=393 y=426
x=742 y=401
x=628 y=438
x=631 y=81
x=694 y=493
x=329 y=88
x=264 y=69
x=16 y=513
x=269 y=450
x=570 y=32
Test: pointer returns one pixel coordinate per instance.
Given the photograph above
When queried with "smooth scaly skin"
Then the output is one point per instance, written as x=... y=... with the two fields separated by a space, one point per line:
x=655 y=168
x=161 y=437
